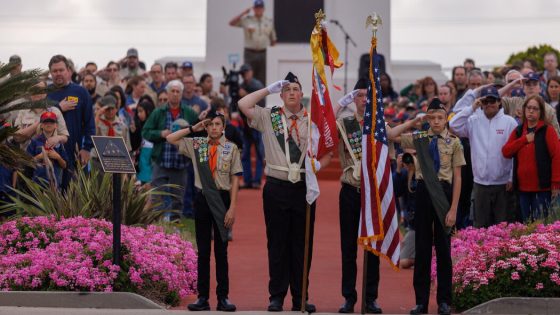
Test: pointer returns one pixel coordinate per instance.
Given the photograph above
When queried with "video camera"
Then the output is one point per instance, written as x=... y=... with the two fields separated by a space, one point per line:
x=231 y=80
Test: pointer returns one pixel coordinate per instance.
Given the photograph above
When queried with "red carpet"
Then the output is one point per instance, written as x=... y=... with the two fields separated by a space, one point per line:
x=249 y=268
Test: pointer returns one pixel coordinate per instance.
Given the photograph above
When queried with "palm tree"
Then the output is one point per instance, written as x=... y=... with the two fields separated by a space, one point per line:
x=15 y=94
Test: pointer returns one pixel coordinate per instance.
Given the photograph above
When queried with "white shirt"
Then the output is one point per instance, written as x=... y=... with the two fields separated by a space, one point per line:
x=487 y=137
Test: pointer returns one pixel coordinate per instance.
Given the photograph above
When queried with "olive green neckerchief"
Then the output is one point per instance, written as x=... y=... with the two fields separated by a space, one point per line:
x=437 y=195
x=278 y=128
x=209 y=189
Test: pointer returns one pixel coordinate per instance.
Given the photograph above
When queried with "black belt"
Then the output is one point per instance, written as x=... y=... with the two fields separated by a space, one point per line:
x=255 y=50
x=285 y=183
x=353 y=188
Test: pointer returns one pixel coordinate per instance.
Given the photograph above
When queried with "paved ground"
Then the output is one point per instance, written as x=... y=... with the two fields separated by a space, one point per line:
x=249 y=269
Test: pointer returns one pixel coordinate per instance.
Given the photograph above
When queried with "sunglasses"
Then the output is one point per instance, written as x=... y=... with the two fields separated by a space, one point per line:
x=162 y=100
x=488 y=101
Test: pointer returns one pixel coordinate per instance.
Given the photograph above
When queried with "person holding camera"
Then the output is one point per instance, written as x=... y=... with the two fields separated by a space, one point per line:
x=488 y=129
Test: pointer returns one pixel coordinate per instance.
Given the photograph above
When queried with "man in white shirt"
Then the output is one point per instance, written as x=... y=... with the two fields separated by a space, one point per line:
x=488 y=129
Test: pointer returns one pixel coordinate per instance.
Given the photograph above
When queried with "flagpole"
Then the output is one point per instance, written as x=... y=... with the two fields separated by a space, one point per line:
x=305 y=257
x=364 y=281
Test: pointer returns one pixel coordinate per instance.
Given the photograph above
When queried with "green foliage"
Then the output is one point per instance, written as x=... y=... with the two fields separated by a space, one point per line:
x=87 y=195
x=15 y=94
x=534 y=52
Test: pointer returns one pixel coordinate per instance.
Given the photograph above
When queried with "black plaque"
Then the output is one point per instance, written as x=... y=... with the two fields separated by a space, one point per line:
x=293 y=16
x=113 y=155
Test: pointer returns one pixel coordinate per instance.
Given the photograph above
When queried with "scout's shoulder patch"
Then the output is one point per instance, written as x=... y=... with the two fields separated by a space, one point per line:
x=228 y=148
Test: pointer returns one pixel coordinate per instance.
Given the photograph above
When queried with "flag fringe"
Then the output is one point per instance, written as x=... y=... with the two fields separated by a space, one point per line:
x=379 y=254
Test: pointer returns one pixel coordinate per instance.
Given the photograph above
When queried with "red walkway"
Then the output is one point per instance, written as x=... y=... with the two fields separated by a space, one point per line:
x=249 y=269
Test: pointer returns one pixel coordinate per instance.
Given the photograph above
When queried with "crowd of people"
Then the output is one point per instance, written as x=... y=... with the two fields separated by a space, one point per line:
x=488 y=139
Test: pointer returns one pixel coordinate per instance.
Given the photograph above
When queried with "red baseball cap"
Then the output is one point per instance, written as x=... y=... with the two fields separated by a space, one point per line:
x=48 y=117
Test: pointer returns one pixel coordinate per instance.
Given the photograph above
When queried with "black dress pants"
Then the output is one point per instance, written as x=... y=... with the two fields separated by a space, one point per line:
x=204 y=223
x=284 y=213
x=349 y=206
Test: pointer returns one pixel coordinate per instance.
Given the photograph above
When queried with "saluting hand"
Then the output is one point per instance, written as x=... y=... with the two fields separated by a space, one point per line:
x=348 y=98
x=277 y=86
x=201 y=125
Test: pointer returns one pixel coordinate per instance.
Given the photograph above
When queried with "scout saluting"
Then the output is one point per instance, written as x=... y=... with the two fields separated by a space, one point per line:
x=285 y=132
x=438 y=170
x=216 y=166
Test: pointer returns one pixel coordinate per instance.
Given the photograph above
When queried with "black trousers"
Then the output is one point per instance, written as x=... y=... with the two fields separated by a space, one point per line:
x=284 y=213
x=203 y=223
x=429 y=230
x=349 y=205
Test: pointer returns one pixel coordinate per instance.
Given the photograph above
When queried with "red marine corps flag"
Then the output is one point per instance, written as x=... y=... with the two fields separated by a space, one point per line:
x=323 y=134
x=379 y=229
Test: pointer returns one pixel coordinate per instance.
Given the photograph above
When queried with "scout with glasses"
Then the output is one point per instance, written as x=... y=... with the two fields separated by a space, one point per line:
x=217 y=165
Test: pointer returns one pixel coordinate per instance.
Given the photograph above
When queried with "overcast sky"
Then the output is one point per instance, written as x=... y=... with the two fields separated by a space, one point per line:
x=443 y=31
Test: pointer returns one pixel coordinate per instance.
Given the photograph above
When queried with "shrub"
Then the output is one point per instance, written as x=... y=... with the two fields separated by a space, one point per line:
x=45 y=253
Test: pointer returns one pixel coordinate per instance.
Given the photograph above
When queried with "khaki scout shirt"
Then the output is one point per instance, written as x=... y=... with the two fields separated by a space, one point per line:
x=512 y=104
x=273 y=152
x=121 y=130
x=228 y=164
x=259 y=33
x=450 y=154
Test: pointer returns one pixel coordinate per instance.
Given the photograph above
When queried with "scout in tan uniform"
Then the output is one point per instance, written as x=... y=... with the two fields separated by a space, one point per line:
x=349 y=124
x=438 y=171
x=216 y=167
x=285 y=131
x=259 y=34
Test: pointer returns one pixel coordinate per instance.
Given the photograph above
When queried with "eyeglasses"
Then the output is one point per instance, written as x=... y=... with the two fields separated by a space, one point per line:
x=488 y=101
x=162 y=100
x=531 y=83
x=532 y=109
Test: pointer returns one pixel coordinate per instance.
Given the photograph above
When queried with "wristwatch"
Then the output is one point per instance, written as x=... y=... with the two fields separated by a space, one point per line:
x=191 y=129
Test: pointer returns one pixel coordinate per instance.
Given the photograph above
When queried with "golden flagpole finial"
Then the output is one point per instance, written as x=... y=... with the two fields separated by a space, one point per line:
x=319 y=17
x=374 y=21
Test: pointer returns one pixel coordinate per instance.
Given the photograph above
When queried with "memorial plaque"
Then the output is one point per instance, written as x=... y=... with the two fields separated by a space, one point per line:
x=113 y=154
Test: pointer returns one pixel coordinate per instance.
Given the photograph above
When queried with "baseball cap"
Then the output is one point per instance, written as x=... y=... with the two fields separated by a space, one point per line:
x=389 y=112
x=517 y=93
x=132 y=52
x=15 y=59
x=187 y=64
x=258 y=3
x=245 y=68
x=490 y=91
x=48 y=117
x=532 y=76
x=108 y=100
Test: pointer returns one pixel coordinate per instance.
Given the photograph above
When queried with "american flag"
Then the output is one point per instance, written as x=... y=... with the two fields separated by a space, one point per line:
x=379 y=232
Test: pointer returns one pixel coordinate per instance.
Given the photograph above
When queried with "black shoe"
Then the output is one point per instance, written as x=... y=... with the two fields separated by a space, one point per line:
x=200 y=305
x=419 y=309
x=225 y=305
x=444 y=309
x=246 y=186
x=347 y=307
x=275 y=306
x=373 y=308
x=309 y=308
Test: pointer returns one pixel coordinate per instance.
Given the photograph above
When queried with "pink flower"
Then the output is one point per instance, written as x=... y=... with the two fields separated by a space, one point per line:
x=539 y=286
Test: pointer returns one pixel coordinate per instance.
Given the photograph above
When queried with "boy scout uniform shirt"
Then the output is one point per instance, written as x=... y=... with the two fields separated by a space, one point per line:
x=450 y=154
x=274 y=155
x=228 y=163
x=121 y=130
x=262 y=34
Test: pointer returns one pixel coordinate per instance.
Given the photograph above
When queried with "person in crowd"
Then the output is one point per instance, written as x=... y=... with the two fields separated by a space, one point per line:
x=444 y=95
x=429 y=91
x=111 y=77
x=187 y=68
x=535 y=150
x=108 y=123
x=171 y=71
x=217 y=166
x=468 y=64
x=387 y=89
x=189 y=98
x=75 y=104
x=251 y=137
x=475 y=79
x=135 y=89
x=207 y=84
x=550 y=61
x=132 y=63
x=438 y=171
x=144 y=175
x=488 y=129
x=284 y=194
x=158 y=79
x=553 y=92
x=51 y=160
x=259 y=33
x=168 y=166
x=89 y=82
x=15 y=59
x=162 y=98
x=459 y=77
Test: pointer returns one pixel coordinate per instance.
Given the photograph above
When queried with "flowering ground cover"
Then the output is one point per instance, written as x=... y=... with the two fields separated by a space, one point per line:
x=44 y=253
x=505 y=261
